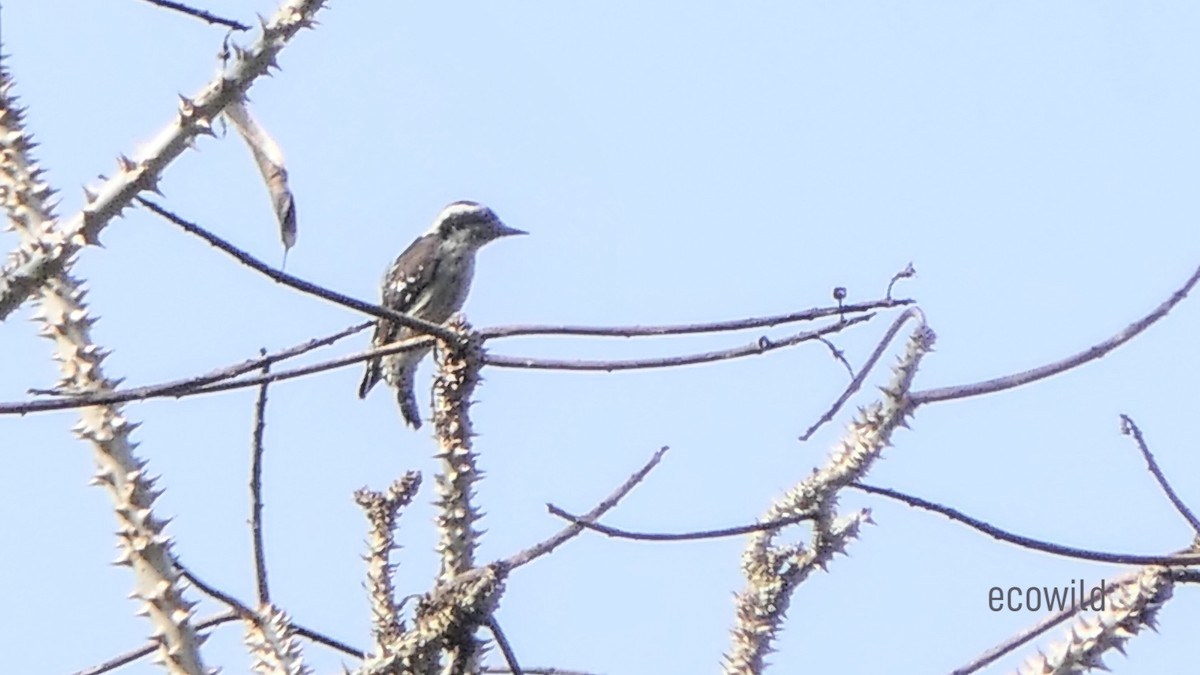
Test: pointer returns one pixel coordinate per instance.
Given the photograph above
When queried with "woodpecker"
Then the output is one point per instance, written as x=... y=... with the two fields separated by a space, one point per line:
x=430 y=280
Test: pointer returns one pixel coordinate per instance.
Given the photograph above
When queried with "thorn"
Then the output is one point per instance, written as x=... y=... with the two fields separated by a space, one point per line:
x=150 y=183
x=204 y=126
x=125 y=164
x=187 y=108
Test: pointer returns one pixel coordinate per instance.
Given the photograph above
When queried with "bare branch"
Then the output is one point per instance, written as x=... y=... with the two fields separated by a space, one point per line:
x=199 y=14
x=212 y=382
x=1074 y=361
x=505 y=648
x=907 y=273
x=256 y=457
x=1130 y=428
x=838 y=356
x=857 y=382
x=148 y=648
x=207 y=384
x=691 y=328
x=332 y=643
x=538 y=550
x=1026 y=542
x=681 y=536
x=243 y=611
x=227 y=616
x=291 y=281
x=760 y=346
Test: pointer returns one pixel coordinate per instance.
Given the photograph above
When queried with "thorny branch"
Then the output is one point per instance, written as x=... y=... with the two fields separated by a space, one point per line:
x=1030 y=633
x=195 y=119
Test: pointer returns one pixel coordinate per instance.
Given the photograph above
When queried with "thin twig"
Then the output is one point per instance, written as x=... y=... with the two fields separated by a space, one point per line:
x=691 y=328
x=1030 y=633
x=332 y=643
x=1074 y=361
x=1026 y=542
x=1130 y=428
x=148 y=648
x=548 y=545
x=907 y=273
x=291 y=281
x=192 y=388
x=505 y=648
x=199 y=14
x=857 y=382
x=256 y=459
x=760 y=346
x=243 y=611
x=248 y=614
x=240 y=368
x=838 y=355
x=680 y=536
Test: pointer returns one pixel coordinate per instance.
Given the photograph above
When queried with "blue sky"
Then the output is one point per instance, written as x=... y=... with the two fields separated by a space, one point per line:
x=1037 y=162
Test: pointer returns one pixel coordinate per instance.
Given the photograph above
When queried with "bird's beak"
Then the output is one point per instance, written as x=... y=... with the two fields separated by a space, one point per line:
x=503 y=230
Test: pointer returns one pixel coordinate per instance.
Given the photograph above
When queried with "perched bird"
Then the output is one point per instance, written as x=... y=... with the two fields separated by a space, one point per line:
x=430 y=281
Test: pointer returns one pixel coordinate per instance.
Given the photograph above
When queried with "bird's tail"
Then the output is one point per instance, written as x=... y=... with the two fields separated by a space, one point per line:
x=408 y=406
x=371 y=377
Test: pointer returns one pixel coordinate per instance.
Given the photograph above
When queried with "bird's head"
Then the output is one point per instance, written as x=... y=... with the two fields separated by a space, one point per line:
x=469 y=225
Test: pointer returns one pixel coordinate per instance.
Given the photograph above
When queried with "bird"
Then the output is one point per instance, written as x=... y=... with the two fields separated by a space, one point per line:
x=430 y=280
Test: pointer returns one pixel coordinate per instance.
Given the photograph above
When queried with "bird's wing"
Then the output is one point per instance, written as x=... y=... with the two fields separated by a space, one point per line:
x=406 y=282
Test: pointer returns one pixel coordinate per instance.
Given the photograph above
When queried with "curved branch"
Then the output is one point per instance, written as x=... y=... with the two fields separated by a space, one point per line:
x=194 y=385
x=857 y=382
x=1130 y=428
x=1026 y=542
x=1034 y=374
x=760 y=346
x=677 y=536
x=207 y=17
x=148 y=648
x=691 y=328
x=538 y=550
